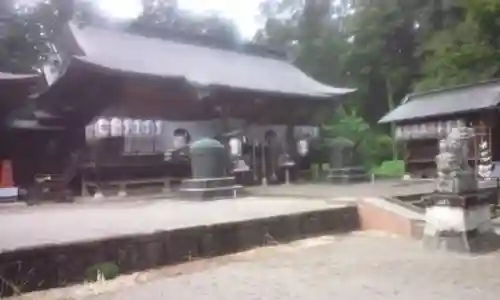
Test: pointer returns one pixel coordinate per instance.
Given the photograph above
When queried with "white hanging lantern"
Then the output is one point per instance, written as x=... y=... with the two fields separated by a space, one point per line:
x=414 y=131
x=116 y=127
x=449 y=126
x=404 y=132
x=441 y=128
x=158 y=127
x=147 y=127
x=235 y=146
x=432 y=129
x=423 y=133
x=303 y=147
x=136 y=127
x=90 y=131
x=180 y=138
x=128 y=127
x=102 y=128
x=398 y=133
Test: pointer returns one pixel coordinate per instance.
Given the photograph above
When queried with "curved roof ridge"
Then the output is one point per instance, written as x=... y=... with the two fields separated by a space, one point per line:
x=201 y=64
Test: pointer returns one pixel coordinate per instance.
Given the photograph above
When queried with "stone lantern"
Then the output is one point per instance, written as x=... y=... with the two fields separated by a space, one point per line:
x=210 y=168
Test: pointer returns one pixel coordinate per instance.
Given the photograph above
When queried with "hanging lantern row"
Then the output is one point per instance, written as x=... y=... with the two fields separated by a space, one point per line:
x=114 y=127
x=428 y=130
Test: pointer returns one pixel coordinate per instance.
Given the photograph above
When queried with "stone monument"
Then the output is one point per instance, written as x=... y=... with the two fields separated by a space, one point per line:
x=343 y=168
x=210 y=167
x=457 y=215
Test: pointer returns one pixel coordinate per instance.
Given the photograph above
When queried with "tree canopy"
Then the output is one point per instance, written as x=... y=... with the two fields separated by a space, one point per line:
x=384 y=48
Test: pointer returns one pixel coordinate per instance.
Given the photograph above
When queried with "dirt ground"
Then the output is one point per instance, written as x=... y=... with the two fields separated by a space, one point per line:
x=363 y=265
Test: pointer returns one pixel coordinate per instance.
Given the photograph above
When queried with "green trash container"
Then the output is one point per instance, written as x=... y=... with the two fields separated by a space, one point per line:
x=209 y=159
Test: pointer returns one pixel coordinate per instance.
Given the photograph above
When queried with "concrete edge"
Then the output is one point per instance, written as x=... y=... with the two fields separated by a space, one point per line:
x=60 y=265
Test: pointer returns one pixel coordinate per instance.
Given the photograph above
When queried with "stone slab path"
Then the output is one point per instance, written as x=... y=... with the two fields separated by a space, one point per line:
x=366 y=265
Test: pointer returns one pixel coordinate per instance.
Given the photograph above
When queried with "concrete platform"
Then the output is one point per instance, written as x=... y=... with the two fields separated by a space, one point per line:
x=54 y=245
x=380 y=188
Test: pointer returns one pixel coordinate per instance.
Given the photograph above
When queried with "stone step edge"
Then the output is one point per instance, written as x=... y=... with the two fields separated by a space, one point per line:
x=58 y=265
x=391 y=216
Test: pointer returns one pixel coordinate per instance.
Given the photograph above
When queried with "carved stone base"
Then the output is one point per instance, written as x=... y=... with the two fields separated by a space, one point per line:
x=209 y=188
x=458 y=229
x=471 y=241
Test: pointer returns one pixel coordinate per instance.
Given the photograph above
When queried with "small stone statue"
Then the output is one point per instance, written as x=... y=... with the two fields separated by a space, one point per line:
x=452 y=161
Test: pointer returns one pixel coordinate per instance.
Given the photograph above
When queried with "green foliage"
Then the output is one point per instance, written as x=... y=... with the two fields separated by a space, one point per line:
x=459 y=55
x=371 y=145
x=103 y=271
x=390 y=169
x=346 y=125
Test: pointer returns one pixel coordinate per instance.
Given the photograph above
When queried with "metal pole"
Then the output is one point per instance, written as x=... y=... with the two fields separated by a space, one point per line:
x=264 y=169
x=254 y=160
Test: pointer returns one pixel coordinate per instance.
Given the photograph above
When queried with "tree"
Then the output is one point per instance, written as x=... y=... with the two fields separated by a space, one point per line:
x=465 y=51
x=29 y=33
x=163 y=19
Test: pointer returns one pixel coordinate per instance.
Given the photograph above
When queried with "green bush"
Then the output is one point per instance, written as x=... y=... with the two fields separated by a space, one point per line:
x=108 y=270
x=390 y=169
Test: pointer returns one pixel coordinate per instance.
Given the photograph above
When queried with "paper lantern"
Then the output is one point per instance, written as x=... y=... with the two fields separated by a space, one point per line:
x=398 y=133
x=423 y=132
x=90 y=131
x=116 y=127
x=158 y=128
x=136 y=127
x=102 y=128
x=405 y=132
x=303 y=147
x=414 y=133
x=128 y=127
x=449 y=126
x=235 y=146
x=432 y=129
x=147 y=127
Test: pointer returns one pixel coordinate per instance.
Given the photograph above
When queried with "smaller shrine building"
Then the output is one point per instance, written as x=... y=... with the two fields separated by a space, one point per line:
x=423 y=118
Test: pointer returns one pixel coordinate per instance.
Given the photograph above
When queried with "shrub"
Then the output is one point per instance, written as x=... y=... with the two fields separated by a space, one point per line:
x=390 y=169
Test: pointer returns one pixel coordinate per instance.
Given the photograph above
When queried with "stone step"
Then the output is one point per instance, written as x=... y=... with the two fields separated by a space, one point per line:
x=211 y=193
x=207 y=183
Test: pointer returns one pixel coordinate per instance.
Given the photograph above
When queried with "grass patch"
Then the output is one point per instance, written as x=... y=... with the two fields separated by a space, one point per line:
x=390 y=169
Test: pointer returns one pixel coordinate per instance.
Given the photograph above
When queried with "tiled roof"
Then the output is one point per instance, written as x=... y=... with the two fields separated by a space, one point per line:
x=460 y=99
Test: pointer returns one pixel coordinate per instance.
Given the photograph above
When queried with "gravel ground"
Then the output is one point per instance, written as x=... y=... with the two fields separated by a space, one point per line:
x=365 y=265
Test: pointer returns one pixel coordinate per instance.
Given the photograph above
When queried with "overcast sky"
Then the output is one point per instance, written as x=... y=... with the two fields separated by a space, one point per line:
x=242 y=12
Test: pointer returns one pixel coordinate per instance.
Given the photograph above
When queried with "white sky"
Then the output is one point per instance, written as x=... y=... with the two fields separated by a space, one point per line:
x=242 y=12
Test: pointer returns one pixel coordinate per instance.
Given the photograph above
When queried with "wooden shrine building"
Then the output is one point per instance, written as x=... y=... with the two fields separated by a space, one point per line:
x=117 y=92
x=422 y=119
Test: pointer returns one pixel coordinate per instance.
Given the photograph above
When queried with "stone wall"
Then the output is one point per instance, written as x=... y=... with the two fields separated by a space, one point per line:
x=59 y=265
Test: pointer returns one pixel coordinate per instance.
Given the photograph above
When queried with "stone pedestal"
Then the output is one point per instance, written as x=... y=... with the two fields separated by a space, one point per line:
x=458 y=215
x=209 y=188
x=458 y=223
